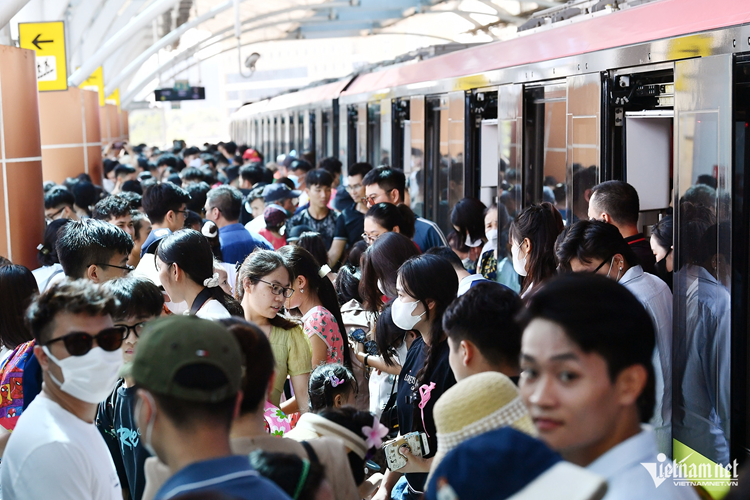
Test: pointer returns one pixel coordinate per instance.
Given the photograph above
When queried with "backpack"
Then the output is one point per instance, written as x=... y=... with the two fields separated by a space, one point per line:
x=11 y=384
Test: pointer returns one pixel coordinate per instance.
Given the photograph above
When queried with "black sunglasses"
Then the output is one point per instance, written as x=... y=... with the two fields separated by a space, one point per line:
x=137 y=329
x=80 y=343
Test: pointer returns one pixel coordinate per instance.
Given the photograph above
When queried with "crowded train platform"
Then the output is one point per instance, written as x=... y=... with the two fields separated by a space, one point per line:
x=509 y=265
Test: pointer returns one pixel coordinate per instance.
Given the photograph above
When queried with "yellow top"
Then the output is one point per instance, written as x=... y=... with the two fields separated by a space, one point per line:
x=293 y=354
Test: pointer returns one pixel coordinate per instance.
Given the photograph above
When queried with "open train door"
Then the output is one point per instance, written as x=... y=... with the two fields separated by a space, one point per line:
x=702 y=334
x=583 y=139
x=510 y=138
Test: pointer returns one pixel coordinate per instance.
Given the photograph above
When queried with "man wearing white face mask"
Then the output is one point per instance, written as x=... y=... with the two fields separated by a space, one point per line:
x=78 y=348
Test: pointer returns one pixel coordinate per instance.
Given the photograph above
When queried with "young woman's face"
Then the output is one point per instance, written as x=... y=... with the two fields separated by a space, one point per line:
x=299 y=293
x=405 y=298
x=373 y=230
x=662 y=253
x=223 y=280
x=259 y=298
x=167 y=281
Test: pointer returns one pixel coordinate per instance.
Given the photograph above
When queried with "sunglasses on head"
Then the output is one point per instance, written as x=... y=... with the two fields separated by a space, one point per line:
x=80 y=343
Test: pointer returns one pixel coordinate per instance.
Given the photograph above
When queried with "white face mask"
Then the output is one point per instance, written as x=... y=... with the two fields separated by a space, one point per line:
x=472 y=243
x=492 y=237
x=518 y=264
x=90 y=377
x=294 y=179
x=401 y=314
x=147 y=435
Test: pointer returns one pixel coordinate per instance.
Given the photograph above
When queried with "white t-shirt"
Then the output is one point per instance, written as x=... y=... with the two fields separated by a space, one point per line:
x=213 y=309
x=54 y=454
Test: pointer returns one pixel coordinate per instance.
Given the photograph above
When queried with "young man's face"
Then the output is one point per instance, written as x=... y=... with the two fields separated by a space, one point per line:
x=125 y=223
x=455 y=360
x=375 y=194
x=319 y=195
x=568 y=392
x=116 y=268
x=178 y=220
x=64 y=324
x=134 y=327
x=257 y=206
x=355 y=188
x=144 y=231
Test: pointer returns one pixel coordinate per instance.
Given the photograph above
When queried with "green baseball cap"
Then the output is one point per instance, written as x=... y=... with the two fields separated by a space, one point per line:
x=168 y=345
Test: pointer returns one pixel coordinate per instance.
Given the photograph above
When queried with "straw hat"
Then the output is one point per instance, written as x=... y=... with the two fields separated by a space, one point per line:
x=475 y=405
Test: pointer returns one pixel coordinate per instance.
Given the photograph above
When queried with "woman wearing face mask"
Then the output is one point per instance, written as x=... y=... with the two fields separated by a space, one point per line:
x=380 y=264
x=316 y=299
x=532 y=237
x=385 y=218
x=496 y=222
x=185 y=264
x=264 y=282
x=467 y=218
x=426 y=284
x=663 y=248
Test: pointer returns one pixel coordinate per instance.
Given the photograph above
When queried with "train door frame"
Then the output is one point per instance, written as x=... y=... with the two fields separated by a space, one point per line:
x=481 y=108
x=416 y=167
x=373 y=133
x=316 y=121
x=400 y=120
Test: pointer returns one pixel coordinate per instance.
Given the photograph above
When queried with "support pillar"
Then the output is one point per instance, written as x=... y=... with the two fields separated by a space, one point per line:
x=21 y=195
x=71 y=140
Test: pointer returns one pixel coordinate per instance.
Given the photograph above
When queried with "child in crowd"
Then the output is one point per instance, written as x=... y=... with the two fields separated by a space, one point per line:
x=331 y=386
x=275 y=218
x=140 y=302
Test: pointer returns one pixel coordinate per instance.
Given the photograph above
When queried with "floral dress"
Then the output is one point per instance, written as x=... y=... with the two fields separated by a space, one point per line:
x=278 y=423
x=319 y=321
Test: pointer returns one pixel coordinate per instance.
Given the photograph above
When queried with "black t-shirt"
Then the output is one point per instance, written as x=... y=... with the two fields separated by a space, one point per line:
x=408 y=398
x=350 y=226
x=116 y=422
x=642 y=248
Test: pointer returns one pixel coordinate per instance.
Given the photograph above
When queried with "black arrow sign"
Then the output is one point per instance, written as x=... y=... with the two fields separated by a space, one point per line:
x=37 y=41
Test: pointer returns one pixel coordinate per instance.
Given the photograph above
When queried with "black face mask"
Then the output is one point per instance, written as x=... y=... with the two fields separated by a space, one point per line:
x=661 y=271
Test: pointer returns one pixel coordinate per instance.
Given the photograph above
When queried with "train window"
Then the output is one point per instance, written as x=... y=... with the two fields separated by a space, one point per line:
x=583 y=108
x=414 y=153
x=362 y=132
x=444 y=145
x=351 y=136
x=544 y=147
x=385 y=132
x=702 y=261
x=373 y=135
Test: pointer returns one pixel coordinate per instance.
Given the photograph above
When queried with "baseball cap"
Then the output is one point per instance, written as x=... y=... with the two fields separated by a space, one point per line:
x=274 y=216
x=252 y=155
x=168 y=346
x=529 y=471
x=279 y=191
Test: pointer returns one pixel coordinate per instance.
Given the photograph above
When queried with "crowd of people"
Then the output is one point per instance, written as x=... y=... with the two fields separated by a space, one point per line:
x=208 y=324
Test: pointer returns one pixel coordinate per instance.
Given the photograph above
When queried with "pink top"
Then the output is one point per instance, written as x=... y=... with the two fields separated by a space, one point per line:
x=319 y=321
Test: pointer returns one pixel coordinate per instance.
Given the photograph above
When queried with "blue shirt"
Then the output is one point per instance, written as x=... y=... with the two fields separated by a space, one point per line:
x=237 y=243
x=153 y=236
x=427 y=234
x=231 y=475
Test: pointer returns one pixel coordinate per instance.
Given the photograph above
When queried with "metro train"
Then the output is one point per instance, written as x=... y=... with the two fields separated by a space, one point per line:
x=656 y=94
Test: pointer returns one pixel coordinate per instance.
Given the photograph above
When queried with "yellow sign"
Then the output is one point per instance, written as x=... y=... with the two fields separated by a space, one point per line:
x=48 y=41
x=96 y=82
x=114 y=98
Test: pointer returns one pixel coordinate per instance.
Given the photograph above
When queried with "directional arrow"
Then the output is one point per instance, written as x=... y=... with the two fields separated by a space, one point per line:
x=36 y=41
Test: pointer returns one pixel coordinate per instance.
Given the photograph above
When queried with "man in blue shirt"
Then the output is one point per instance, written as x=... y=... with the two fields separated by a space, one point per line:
x=189 y=374
x=386 y=185
x=164 y=203
x=223 y=206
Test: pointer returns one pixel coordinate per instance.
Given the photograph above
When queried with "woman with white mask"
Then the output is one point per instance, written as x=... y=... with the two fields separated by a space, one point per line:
x=532 y=238
x=467 y=219
x=426 y=285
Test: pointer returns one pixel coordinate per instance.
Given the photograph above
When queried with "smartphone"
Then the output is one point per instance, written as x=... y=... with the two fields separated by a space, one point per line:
x=415 y=441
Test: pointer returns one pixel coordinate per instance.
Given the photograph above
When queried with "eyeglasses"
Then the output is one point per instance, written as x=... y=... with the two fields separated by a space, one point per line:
x=80 y=343
x=126 y=267
x=600 y=266
x=137 y=329
x=369 y=200
x=51 y=217
x=183 y=212
x=279 y=290
x=354 y=187
x=370 y=239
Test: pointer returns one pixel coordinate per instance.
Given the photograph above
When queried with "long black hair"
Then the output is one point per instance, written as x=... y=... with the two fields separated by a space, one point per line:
x=301 y=263
x=191 y=251
x=380 y=263
x=17 y=289
x=429 y=277
x=541 y=224
x=389 y=216
x=468 y=216
x=387 y=334
x=257 y=266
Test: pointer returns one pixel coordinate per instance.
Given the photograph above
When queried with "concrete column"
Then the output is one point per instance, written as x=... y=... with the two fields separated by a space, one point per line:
x=71 y=138
x=21 y=196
